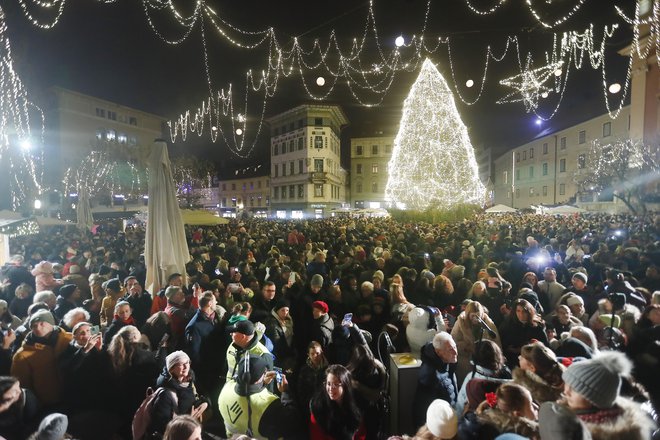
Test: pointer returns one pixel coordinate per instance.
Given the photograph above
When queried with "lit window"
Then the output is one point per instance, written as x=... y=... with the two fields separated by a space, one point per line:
x=111 y=135
x=318 y=190
x=374 y=168
x=122 y=138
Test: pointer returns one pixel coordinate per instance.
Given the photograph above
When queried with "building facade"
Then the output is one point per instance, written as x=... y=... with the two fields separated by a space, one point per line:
x=251 y=194
x=370 y=157
x=307 y=179
x=541 y=172
x=77 y=124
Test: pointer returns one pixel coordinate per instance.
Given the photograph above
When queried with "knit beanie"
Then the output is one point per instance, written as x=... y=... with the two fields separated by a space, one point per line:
x=599 y=379
x=53 y=427
x=41 y=316
x=581 y=276
x=380 y=275
x=176 y=357
x=281 y=303
x=441 y=419
x=317 y=280
x=573 y=300
x=557 y=422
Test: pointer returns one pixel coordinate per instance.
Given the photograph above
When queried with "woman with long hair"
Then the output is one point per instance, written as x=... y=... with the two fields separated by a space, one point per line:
x=155 y=329
x=540 y=372
x=334 y=411
x=369 y=378
x=183 y=427
x=135 y=369
x=400 y=304
x=468 y=329
x=519 y=328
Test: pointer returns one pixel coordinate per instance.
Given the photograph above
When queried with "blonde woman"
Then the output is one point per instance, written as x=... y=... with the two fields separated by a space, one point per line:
x=470 y=325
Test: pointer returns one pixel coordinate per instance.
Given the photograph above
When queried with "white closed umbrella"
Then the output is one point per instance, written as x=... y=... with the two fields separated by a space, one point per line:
x=165 y=250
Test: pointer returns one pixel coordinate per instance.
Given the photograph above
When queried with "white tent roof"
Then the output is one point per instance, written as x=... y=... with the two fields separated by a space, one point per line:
x=501 y=208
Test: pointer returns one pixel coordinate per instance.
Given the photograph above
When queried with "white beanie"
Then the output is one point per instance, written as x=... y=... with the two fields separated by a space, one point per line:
x=441 y=419
x=176 y=357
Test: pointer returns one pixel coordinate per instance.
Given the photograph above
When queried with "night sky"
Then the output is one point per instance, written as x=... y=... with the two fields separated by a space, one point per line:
x=109 y=51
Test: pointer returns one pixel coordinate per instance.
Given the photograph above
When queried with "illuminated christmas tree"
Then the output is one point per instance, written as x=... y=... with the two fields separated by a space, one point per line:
x=432 y=164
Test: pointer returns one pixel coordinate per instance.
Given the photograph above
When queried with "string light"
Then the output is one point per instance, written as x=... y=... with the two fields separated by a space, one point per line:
x=529 y=85
x=433 y=164
x=334 y=66
x=20 y=228
x=24 y=165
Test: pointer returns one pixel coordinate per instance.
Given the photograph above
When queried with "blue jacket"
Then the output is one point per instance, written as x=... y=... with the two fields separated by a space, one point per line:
x=436 y=380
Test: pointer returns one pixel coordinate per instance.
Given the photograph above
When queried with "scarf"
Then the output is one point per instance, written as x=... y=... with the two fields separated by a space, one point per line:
x=129 y=321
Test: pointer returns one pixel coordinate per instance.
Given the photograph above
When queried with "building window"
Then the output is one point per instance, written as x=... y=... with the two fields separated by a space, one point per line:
x=301 y=143
x=318 y=190
x=132 y=120
x=531 y=192
x=112 y=115
x=545 y=148
x=300 y=166
x=358 y=168
x=388 y=149
x=111 y=135
x=100 y=112
x=374 y=187
x=518 y=174
x=318 y=122
x=374 y=150
x=582 y=137
x=233 y=187
x=358 y=187
x=122 y=138
x=132 y=140
x=545 y=168
x=301 y=191
x=318 y=165
x=531 y=153
x=318 y=142
x=506 y=177
x=562 y=143
x=292 y=191
x=291 y=168
x=291 y=146
x=276 y=150
x=244 y=187
x=224 y=202
x=517 y=193
x=224 y=187
x=276 y=192
x=358 y=150
x=581 y=161
x=524 y=155
x=276 y=170
x=283 y=169
x=562 y=165
x=607 y=129
x=251 y=185
x=374 y=168
x=545 y=190
x=531 y=172
x=562 y=189
x=517 y=157
x=100 y=134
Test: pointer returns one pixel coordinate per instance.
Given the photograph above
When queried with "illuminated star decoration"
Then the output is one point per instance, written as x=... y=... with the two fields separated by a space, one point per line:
x=433 y=164
x=529 y=85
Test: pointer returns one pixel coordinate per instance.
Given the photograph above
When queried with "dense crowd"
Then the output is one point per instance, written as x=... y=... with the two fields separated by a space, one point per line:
x=537 y=326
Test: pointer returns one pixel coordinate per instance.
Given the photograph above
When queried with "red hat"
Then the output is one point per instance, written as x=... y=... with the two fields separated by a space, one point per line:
x=321 y=305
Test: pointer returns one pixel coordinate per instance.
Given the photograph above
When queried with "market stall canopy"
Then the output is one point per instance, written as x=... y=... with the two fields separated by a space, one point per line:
x=201 y=217
x=501 y=208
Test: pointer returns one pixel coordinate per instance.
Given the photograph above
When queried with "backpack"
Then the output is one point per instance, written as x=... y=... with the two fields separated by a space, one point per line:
x=142 y=417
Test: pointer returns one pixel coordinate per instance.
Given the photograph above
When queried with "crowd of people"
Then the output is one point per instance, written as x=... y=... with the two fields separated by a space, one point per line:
x=540 y=327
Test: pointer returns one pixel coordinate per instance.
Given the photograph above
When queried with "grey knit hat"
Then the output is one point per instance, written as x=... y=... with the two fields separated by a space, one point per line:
x=52 y=427
x=599 y=379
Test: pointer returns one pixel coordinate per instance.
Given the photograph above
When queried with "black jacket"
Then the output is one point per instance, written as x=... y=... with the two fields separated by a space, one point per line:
x=436 y=380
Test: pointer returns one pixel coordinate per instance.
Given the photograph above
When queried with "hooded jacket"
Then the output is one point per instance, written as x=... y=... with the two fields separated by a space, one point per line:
x=541 y=390
x=626 y=420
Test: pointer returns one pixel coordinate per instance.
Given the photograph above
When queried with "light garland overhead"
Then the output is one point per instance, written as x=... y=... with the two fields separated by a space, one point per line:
x=368 y=80
x=433 y=164
x=530 y=84
x=21 y=150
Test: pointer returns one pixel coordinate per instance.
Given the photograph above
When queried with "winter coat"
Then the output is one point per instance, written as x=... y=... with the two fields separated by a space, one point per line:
x=281 y=334
x=464 y=336
x=418 y=332
x=436 y=380
x=515 y=334
x=322 y=330
x=141 y=306
x=254 y=347
x=205 y=341
x=541 y=390
x=180 y=316
x=492 y=422
x=503 y=375
x=166 y=406
x=20 y=419
x=626 y=420
x=35 y=365
x=62 y=306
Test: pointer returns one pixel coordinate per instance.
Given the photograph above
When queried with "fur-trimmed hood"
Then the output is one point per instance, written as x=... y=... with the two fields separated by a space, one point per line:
x=629 y=423
x=505 y=422
x=541 y=390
